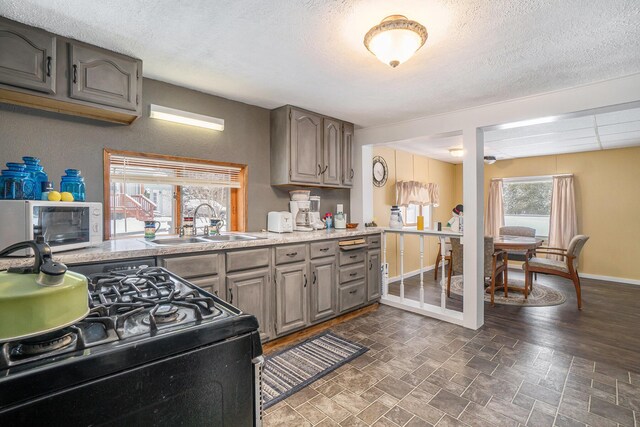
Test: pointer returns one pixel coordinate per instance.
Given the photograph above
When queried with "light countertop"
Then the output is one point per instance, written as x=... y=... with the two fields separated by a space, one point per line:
x=137 y=247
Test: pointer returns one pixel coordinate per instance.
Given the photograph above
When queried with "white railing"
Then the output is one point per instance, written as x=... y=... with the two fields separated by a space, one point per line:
x=420 y=306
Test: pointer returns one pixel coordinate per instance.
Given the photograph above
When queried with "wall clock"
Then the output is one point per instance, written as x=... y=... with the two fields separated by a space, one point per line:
x=380 y=171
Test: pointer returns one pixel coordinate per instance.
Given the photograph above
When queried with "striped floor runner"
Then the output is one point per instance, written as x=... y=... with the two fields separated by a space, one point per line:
x=290 y=370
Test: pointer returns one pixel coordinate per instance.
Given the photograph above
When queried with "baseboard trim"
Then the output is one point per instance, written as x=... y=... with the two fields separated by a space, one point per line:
x=610 y=279
x=412 y=273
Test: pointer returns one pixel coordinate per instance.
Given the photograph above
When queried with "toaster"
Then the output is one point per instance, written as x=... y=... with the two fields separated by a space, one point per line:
x=280 y=222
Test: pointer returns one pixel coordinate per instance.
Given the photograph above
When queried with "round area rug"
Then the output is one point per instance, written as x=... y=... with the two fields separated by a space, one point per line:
x=542 y=296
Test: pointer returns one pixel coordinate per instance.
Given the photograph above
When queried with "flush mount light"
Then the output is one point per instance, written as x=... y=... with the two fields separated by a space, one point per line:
x=456 y=152
x=531 y=122
x=395 y=39
x=185 y=117
x=490 y=159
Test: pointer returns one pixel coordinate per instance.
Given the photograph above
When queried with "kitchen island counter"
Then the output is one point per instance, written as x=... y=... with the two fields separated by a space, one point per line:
x=137 y=247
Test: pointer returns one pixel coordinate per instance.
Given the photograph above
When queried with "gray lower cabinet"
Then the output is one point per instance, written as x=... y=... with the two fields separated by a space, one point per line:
x=209 y=284
x=351 y=295
x=249 y=291
x=103 y=77
x=348 y=171
x=323 y=287
x=27 y=57
x=291 y=283
x=374 y=274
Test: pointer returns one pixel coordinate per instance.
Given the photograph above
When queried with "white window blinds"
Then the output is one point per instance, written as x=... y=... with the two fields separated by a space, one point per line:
x=128 y=169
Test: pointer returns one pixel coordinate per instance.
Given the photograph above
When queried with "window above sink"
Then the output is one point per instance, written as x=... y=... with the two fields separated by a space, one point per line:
x=153 y=187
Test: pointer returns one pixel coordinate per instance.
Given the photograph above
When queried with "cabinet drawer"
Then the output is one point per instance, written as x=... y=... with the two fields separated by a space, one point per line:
x=351 y=296
x=322 y=249
x=352 y=273
x=286 y=254
x=245 y=260
x=209 y=284
x=373 y=242
x=351 y=257
x=192 y=266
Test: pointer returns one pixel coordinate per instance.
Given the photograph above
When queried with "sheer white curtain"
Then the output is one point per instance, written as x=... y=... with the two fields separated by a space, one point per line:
x=563 y=224
x=494 y=217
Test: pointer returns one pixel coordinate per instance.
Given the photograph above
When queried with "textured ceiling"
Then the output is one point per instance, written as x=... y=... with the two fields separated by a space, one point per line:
x=310 y=53
x=588 y=132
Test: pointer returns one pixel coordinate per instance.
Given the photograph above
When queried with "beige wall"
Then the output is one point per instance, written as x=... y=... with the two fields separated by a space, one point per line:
x=607 y=198
x=406 y=166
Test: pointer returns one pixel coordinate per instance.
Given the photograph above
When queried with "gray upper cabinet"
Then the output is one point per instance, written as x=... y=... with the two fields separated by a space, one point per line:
x=291 y=297
x=374 y=275
x=249 y=291
x=347 y=155
x=27 y=57
x=332 y=152
x=103 y=77
x=323 y=289
x=307 y=149
x=306 y=145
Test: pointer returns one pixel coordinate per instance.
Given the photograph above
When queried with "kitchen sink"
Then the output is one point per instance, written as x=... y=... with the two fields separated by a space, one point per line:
x=170 y=241
x=230 y=237
x=177 y=241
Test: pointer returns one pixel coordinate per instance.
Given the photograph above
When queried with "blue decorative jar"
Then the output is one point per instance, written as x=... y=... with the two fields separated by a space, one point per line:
x=15 y=183
x=73 y=183
x=39 y=176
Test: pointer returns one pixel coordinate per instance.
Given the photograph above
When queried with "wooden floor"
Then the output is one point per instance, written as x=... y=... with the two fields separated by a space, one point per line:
x=607 y=329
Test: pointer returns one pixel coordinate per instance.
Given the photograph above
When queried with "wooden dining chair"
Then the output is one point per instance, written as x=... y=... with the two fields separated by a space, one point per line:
x=439 y=257
x=495 y=264
x=519 y=232
x=566 y=267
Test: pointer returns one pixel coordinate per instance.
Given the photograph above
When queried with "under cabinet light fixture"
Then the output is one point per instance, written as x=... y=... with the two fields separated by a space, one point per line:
x=185 y=117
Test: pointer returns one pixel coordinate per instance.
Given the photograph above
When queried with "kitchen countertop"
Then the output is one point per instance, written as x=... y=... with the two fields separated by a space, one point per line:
x=137 y=248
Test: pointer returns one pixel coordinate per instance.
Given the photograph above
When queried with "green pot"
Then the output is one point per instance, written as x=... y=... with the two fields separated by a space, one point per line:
x=39 y=299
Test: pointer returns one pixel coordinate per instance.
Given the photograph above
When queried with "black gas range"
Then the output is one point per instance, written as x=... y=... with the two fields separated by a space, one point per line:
x=154 y=350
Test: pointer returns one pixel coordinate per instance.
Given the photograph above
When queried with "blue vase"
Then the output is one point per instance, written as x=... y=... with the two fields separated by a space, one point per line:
x=15 y=183
x=73 y=183
x=35 y=169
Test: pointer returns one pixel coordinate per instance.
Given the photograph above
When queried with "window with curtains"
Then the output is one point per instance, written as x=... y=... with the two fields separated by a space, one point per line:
x=527 y=202
x=148 y=187
x=410 y=214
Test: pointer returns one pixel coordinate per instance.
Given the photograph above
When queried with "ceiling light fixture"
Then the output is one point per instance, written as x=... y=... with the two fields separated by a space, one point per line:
x=531 y=122
x=490 y=159
x=395 y=39
x=456 y=152
x=185 y=117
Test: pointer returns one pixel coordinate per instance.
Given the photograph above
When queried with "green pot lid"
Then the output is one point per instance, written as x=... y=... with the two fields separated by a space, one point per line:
x=28 y=308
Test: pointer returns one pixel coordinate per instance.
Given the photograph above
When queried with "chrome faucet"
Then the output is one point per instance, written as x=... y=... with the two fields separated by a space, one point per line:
x=216 y=215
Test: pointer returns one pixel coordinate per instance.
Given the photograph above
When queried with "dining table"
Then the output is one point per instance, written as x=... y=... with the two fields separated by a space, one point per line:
x=517 y=244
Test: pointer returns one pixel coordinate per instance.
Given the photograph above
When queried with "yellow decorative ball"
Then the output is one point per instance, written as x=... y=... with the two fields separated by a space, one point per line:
x=54 y=196
x=66 y=197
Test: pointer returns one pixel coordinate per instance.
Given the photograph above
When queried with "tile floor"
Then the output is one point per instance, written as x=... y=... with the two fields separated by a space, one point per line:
x=423 y=372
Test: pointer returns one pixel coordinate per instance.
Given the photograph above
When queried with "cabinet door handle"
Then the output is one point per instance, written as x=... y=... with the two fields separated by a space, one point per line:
x=48 y=66
x=292 y=254
x=353 y=291
x=352 y=173
x=353 y=256
x=215 y=293
x=230 y=295
x=325 y=169
x=324 y=249
x=319 y=169
x=370 y=265
x=314 y=278
x=305 y=280
x=355 y=273
x=75 y=73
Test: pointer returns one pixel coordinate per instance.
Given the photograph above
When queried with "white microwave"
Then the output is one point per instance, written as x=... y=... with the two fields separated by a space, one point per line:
x=64 y=225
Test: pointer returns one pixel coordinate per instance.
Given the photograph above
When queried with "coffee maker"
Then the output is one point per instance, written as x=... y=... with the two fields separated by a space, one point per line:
x=301 y=215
